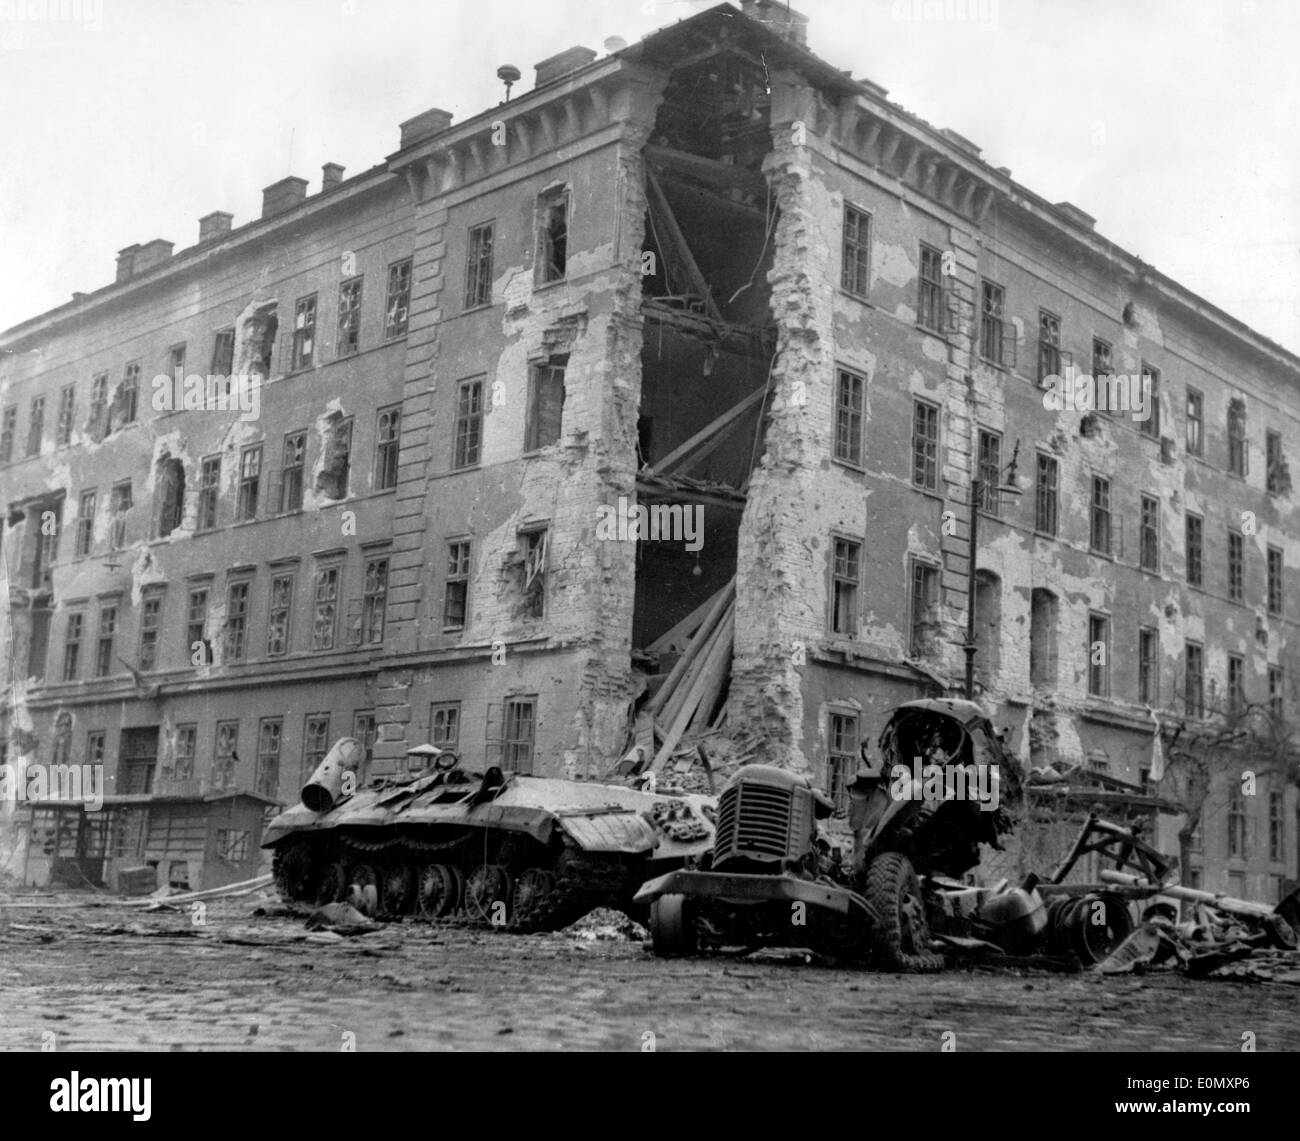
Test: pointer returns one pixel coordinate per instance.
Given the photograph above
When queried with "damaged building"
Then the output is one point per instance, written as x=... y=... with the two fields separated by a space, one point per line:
x=713 y=276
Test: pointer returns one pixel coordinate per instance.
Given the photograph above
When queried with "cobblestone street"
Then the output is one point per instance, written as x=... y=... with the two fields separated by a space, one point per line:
x=113 y=977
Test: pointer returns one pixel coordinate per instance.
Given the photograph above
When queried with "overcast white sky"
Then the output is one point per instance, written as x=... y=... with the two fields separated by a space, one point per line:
x=1175 y=122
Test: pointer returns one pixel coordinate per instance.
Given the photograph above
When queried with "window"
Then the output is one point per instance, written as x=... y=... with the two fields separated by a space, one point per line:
x=150 y=624
x=1149 y=545
x=209 y=487
x=267 y=780
x=1098 y=655
x=841 y=759
x=1276 y=836
x=176 y=362
x=36 y=426
x=295 y=451
x=107 y=633
x=397 y=306
x=1236 y=566
x=8 y=429
x=1194 y=679
x=232 y=845
x=315 y=743
x=1236 y=822
x=990 y=470
x=349 y=317
x=1236 y=436
x=469 y=424
x=545 y=405
x=929 y=311
x=95 y=747
x=118 y=506
x=325 y=607
x=365 y=732
x=1101 y=352
x=856 y=262
x=845 y=580
x=535 y=543
x=197 y=647
x=128 y=398
x=1275 y=691
x=455 y=607
x=988 y=627
x=553 y=239
x=521 y=717
x=1195 y=422
x=304 y=332
x=1099 y=524
x=1045 y=495
x=183 y=751
x=250 y=478
x=67 y=409
x=332 y=477
x=444 y=725
x=1195 y=544
x=1148 y=665
x=991 y=323
x=278 y=614
x=226 y=755
x=1042 y=637
x=85 y=524
x=373 y=602
x=1274 y=463
x=1274 y=580
x=924 y=609
x=223 y=352
x=1236 y=685
x=138 y=756
x=1049 y=345
x=1151 y=425
x=925 y=446
x=236 y=629
x=849 y=388
x=389 y=429
x=72 y=645
x=478 y=267
x=169 y=493
x=97 y=425
x=47 y=544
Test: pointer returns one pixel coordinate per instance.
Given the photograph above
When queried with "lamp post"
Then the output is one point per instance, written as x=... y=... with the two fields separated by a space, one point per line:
x=976 y=498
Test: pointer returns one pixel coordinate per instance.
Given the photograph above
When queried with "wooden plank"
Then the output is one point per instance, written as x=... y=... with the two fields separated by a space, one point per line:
x=674 y=704
x=659 y=200
x=691 y=702
x=686 y=627
x=720 y=601
x=712 y=428
x=717 y=667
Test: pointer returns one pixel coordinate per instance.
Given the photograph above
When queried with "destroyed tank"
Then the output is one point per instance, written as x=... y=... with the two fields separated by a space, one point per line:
x=499 y=848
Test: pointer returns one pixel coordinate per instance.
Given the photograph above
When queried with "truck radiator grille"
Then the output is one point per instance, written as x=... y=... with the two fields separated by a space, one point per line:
x=753 y=821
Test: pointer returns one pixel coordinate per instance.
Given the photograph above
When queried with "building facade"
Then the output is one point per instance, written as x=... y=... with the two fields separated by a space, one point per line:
x=708 y=272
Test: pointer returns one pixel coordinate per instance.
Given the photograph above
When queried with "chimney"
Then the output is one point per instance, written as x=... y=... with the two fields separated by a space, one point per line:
x=331 y=174
x=126 y=263
x=562 y=64
x=283 y=195
x=151 y=253
x=779 y=18
x=213 y=226
x=424 y=126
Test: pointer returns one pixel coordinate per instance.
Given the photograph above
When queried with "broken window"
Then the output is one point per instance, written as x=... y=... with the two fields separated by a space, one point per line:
x=349 y=340
x=1276 y=835
x=176 y=362
x=1049 y=345
x=992 y=327
x=223 y=352
x=170 y=492
x=62 y=746
x=95 y=747
x=856 y=259
x=1098 y=655
x=386 y=447
x=1195 y=422
x=304 y=332
x=1277 y=479
x=1194 y=679
x=534 y=544
x=1151 y=379
x=267 y=780
x=478 y=266
x=225 y=755
x=1275 y=691
x=1194 y=543
x=398 y=305
x=45 y=518
x=126 y=403
x=1046 y=487
x=278 y=615
x=553 y=239
x=85 y=524
x=545 y=405
x=36 y=426
x=196 y=628
x=924 y=622
x=455 y=606
x=841 y=758
x=1099 y=519
x=521 y=720
x=315 y=743
x=1236 y=566
x=332 y=479
x=1148 y=665
x=209 y=488
x=119 y=505
x=845 y=579
x=150 y=627
x=232 y=845
x=469 y=424
x=925 y=446
x=1149 y=534
x=295 y=452
x=1236 y=822
x=72 y=644
x=67 y=409
x=849 y=399
x=444 y=724
x=374 y=601
x=1274 y=573
x=1236 y=685
x=990 y=469
x=1042 y=638
x=929 y=302
x=1101 y=354
x=8 y=429
x=250 y=479
x=1237 y=436
x=325 y=607
x=97 y=425
x=107 y=634
x=236 y=629
x=183 y=752
x=365 y=732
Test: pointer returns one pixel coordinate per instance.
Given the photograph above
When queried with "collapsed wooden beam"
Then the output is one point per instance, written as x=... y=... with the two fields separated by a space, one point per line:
x=659 y=204
x=710 y=429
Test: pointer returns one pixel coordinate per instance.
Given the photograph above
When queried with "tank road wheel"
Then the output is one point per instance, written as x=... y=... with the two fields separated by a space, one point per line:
x=534 y=894
x=487 y=894
x=363 y=889
x=293 y=867
x=672 y=930
x=437 y=890
x=902 y=938
x=397 y=889
x=331 y=884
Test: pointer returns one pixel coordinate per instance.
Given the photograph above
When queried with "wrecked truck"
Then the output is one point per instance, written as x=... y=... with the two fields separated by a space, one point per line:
x=497 y=848
x=772 y=878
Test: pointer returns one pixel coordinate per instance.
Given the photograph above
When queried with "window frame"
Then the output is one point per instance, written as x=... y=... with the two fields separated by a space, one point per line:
x=1149 y=533
x=1047 y=492
x=1100 y=510
x=1099 y=675
x=850 y=416
x=1194 y=549
x=388 y=437
x=925 y=445
x=993 y=323
x=397 y=298
x=855 y=251
x=1194 y=440
x=929 y=296
x=467 y=433
x=458 y=566
x=303 y=349
x=348 y=330
x=279 y=615
x=478 y=265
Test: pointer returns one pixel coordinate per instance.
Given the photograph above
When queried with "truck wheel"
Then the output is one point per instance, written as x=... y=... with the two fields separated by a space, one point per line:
x=671 y=931
x=901 y=939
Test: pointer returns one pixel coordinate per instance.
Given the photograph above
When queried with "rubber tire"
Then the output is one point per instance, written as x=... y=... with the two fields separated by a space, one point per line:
x=671 y=932
x=898 y=940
